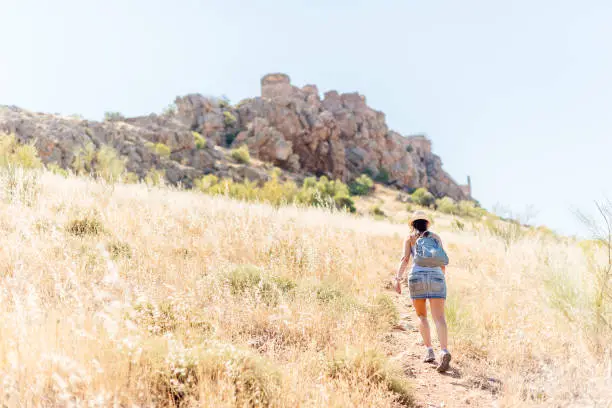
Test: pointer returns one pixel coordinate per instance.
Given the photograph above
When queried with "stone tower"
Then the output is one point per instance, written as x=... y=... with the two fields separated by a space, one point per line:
x=467 y=188
x=276 y=85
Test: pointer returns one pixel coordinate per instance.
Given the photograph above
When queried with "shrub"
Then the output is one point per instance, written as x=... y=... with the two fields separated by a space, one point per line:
x=327 y=292
x=377 y=211
x=469 y=209
x=130 y=178
x=87 y=225
x=241 y=154
x=155 y=177
x=206 y=182
x=223 y=102
x=229 y=119
x=170 y=109
x=13 y=153
x=109 y=165
x=423 y=197
x=344 y=202
x=103 y=162
x=277 y=193
x=458 y=225
x=371 y=368
x=409 y=149
x=56 y=169
x=507 y=232
x=249 y=279
x=361 y=186
x=118 y=249
x=169 y=315
x=447 y=205
x=230 y=137
x=320 y=193
x=199 y=140
x=382 y=176
x=113 y=116
x=161 y=149
x=325 y=193
x=254 y=381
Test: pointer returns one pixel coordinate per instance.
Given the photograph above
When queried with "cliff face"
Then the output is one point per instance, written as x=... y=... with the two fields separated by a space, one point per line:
x=338 y=135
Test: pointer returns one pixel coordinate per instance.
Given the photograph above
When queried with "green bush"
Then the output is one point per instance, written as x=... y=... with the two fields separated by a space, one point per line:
x=170 y=109
x=383 y=175
x=113 y=116
x=423 y=197
x=447 y=205
x=409 y=149
x=230 y=137
x=344 y=202
x=199 y=140
x=223 y=102
x=458 y=225
x=318 y=193
x=229 y=119
x=103 y=162
x=56 y=169
x=130 y=178
x=155 y=177
x=469 y=209
x=241 y=154
x=13 y=153
x=161 y=149
x=363 y=185
x=376 y=211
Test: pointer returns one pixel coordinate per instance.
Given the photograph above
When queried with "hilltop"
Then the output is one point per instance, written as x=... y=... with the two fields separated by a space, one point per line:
x=292 y=128
x=133 y=295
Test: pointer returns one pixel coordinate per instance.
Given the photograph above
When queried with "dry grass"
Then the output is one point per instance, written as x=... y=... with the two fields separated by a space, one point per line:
x=132 y=295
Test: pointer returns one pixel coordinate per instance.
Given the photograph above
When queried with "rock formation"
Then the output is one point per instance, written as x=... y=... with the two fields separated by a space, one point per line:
x=293 y=128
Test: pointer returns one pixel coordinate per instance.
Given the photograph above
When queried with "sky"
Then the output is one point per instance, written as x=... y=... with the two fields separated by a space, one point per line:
x=516 y=94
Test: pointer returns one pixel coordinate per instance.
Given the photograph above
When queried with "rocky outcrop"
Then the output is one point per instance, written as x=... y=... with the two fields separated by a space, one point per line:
x=293 y=128
x=59 y=139
x=338 y=135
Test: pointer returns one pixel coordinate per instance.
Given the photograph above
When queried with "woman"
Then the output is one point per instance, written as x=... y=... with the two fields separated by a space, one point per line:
x=426 y=283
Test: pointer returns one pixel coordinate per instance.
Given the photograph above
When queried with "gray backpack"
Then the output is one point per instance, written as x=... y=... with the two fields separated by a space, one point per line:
x=428 y=252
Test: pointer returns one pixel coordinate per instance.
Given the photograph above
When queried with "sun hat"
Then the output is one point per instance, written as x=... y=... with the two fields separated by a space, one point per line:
x=419 y=215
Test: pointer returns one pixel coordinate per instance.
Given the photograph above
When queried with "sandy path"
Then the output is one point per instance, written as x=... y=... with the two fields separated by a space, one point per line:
x=455 y=388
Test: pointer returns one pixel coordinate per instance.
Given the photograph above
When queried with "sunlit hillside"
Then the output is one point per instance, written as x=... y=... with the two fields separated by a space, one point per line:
x=128 y=295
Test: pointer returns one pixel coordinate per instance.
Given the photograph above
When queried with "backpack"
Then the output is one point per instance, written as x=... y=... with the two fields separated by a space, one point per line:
x=428 y=252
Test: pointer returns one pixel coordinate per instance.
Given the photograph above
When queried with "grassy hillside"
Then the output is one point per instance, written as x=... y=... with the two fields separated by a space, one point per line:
x=133 y=295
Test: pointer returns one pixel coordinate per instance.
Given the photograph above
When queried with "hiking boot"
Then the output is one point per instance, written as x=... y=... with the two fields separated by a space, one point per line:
x=445 y=360
x=430 y=357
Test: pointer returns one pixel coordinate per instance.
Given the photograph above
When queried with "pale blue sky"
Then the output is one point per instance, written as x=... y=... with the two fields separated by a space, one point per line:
x=515 y=93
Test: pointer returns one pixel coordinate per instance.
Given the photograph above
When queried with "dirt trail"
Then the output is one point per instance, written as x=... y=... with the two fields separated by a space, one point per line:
x=455 y=388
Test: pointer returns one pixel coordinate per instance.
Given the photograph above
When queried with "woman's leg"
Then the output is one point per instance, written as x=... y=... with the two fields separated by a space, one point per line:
x=437 y=313
x=420 y=305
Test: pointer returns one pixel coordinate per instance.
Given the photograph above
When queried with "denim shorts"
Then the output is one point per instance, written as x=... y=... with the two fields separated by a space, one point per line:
x=427 y=285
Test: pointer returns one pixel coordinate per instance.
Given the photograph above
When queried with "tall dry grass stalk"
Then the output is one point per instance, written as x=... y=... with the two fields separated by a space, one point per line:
x=132 y=295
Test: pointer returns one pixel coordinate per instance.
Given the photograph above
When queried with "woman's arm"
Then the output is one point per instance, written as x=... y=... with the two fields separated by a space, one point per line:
x=402 y=265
